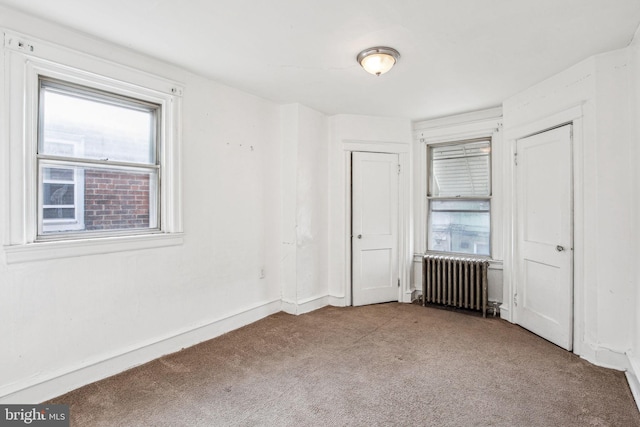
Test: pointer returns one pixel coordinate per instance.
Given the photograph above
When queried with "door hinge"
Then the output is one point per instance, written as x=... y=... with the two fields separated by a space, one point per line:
x=398 y=282
x=398 y=169
x=515 y=300
x=515 y=158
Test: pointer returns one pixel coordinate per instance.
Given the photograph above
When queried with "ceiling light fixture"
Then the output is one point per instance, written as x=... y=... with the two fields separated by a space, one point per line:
x=378 y=60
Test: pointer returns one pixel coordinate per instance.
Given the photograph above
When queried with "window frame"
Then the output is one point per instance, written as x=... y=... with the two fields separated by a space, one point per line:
x=25 y=60
x=78 y=162
x=429 y=197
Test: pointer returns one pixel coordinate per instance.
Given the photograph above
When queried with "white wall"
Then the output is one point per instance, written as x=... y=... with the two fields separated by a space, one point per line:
x=70 y=321
x=304 y=180
x=364 y=133
x=605 y=204
x=634 y=358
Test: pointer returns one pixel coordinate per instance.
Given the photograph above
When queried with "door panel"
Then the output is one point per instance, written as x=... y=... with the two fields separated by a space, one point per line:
x=376 y=215
x=544 y=290
x=374 y=229
x=543 y=276
x=376 y=268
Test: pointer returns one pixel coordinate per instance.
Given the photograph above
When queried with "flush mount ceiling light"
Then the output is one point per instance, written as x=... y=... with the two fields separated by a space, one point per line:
x=378 y=60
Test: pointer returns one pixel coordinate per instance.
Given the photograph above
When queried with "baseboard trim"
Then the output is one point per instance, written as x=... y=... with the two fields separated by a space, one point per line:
x=604 y=357
x=289 y=307
x=411 y=296
x=337 y=301
x=634 y=385
x=632 y=378
x=306 y=305
x=44 y=387
x=505 y=312
x=313 y=303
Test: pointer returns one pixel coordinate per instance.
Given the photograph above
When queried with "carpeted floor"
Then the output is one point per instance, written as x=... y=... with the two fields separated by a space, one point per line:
x=381 y=365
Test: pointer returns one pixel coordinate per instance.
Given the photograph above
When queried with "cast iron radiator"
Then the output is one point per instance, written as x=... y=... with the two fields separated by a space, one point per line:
x=454 y=281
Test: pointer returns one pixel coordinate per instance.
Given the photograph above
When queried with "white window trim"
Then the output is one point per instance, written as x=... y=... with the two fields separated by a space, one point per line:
x=480 y=124
x=25 y=60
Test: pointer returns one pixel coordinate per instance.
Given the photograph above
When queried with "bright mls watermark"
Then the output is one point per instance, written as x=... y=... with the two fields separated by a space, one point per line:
x=34 y=415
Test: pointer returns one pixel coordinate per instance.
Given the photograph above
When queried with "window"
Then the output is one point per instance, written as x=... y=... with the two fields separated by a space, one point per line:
x=62 y=199
x=93 y=153
x=459 y=197
x=97 y=162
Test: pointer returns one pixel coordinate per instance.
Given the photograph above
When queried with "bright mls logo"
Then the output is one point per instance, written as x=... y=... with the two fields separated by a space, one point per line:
x=34 y=415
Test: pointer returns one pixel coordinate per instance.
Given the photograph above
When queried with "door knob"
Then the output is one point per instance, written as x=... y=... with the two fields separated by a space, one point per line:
x=359 y=236
x=559 y=248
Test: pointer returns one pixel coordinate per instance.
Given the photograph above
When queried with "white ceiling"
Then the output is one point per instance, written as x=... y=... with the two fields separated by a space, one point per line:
x=457 y=55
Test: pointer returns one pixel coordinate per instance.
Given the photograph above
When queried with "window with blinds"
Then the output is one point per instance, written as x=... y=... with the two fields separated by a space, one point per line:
x=459 y=197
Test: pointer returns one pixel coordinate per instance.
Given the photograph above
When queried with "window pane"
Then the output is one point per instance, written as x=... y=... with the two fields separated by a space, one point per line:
x=106 y=200
x=88 y=125
x=463 y=227
x=58 y=194
x=62 y=148
x=116 y=200
x=460 y=169
x=59 y=213
x=58 y=174
x=460 y=205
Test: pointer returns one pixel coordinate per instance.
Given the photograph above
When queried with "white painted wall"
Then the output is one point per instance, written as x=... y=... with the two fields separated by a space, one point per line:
x=364 y=133
x=633 y=375
x=606 y=227
x=304 y=167
x=288 y=163
x=312 y=211
x=634 y=52
x=70 y=321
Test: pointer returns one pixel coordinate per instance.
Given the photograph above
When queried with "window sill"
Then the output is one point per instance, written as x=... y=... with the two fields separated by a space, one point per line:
x=42 y=251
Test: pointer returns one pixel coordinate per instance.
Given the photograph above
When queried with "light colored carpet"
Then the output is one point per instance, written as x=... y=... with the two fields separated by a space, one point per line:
x=380 y=365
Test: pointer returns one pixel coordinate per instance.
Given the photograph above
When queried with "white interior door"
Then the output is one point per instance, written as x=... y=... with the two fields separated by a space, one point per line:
x=374 y=228
x=544 y=289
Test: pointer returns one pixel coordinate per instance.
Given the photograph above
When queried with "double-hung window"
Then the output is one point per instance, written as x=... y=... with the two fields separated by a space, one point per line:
x=97 y=161
x=459 y=197
x=93 y=154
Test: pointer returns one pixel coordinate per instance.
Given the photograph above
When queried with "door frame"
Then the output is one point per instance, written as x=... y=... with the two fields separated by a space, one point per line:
x=405 y=241
x=573 y=116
